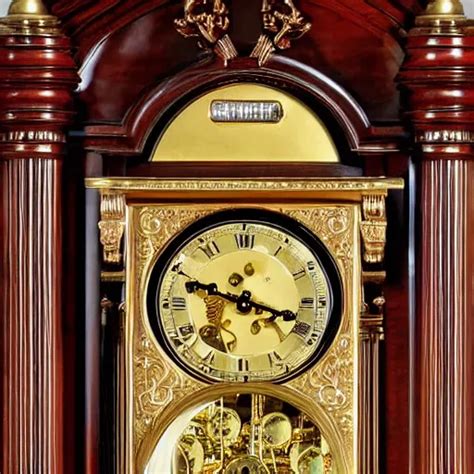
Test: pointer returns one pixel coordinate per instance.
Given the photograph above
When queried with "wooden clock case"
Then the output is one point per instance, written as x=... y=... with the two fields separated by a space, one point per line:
x=135 y=72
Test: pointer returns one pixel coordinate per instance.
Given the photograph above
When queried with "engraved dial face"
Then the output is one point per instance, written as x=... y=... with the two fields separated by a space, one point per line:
x=245 y=296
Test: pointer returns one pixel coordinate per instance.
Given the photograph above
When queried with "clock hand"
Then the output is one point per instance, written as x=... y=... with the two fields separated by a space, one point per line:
x=243 y=302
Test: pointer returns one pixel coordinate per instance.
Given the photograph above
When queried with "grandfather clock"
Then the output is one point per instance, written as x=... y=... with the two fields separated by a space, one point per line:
x=235 y=237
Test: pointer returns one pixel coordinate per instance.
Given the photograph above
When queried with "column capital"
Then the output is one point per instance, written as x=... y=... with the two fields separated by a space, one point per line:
x=38 y=77
x=437 y=82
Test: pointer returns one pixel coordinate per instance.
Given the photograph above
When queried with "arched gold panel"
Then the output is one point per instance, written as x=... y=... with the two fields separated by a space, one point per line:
x=299 y=136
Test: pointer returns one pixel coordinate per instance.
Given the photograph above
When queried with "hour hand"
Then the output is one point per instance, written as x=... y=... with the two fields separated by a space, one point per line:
x=210 y=288
x=193 y=285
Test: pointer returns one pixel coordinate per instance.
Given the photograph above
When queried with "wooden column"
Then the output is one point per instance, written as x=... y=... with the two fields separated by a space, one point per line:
x=437 y=79
x=37 y=77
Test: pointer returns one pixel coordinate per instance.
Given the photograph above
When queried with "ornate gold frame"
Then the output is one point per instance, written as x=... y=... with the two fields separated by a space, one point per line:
x=340 y=211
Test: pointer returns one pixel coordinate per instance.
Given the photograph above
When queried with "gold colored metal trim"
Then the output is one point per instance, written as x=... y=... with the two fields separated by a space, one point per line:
x=153 y=387
x=112 y=225
x=259 y=185
x=208 y=21
x=373 y=227
x=113 y=276
x=282 y=18
x=377 y=277
x=27 y=7
x=154 y=225
x=263 y=50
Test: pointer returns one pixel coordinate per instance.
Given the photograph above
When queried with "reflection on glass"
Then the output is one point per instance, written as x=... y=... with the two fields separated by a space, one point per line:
x=243 y=434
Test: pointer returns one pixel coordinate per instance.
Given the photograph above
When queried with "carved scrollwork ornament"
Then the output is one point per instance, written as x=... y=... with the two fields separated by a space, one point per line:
x=373 y=227
x=208 y=21
x=112 y=226
x=283 y=23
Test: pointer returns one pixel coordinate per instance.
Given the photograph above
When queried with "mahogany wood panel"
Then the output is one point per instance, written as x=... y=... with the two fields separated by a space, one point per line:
x=37 y=77
x=355 y=43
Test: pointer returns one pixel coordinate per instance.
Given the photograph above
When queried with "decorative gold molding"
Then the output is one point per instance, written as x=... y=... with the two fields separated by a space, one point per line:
x=373 y=227
x=32 y=135
x=446 y=136
x=113 y=276
x=372 y=323
x=284 y=22
x=112 y=225
x=155 y=377
x=260 y=185
x=263 y=50
x=207 y=20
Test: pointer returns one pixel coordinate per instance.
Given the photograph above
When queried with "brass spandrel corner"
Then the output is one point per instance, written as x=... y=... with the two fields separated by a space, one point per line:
x=112 y=226
x=373 y=227
x=207 y=20
x=283 y=23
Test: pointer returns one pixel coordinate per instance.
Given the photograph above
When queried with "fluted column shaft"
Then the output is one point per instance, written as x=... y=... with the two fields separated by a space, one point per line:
x=31 y=272
x=37 y=78
x=445 y=311
x=437 y=81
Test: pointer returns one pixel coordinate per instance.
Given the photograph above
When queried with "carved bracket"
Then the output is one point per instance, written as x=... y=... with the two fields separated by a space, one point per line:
x=207 y=20
x=284 y=22
x=373 y=227
x=112 y=225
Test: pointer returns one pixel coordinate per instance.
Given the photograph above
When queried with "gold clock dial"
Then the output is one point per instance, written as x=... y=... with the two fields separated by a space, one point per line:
x=243 y=300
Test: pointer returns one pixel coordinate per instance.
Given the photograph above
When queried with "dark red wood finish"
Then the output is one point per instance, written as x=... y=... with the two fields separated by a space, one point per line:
x=37 y=78
x=137 y=72
x=438 y=80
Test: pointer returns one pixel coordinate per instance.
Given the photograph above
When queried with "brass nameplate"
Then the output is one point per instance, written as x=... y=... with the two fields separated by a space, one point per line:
x=246 y=111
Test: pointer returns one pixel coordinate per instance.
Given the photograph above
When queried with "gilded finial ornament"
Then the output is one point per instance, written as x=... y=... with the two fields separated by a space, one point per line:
x=442 y=13
x=284 y=22
x=27 y=7
x=207 y=20
x=29 y=17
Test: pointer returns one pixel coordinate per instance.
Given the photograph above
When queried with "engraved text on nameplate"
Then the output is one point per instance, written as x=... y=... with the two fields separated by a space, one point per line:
x=246 y=111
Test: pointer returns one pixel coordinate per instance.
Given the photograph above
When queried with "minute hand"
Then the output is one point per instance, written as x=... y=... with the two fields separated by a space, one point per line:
x=243 y=301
